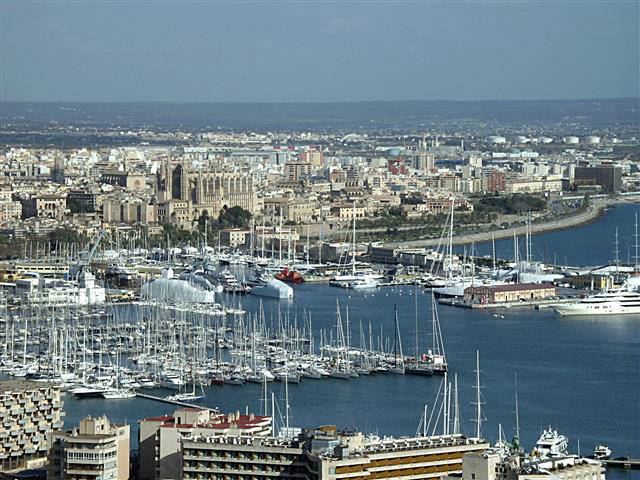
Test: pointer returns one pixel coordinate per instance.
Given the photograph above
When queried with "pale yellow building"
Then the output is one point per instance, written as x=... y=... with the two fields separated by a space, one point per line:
x=96 y=449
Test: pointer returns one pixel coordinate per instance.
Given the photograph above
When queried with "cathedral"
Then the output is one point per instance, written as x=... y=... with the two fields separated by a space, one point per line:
x=184 y=194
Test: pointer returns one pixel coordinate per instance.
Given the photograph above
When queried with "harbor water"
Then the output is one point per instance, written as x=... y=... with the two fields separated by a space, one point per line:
x=577 y=374
x=590 y=244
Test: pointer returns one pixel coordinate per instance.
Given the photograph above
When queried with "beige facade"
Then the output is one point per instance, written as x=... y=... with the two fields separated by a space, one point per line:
x=45 y=206
x=160 y=437
x=127 y=208
x=314 y=157
x=551 y=183
x=28 y=413
x=491 y=466
x=290 y=209
x=296 y=171
x=433 y=207
x=201 y=192
x=96 y=449
x=10 y=211
x=176 y=212
x=325 y=455
x=509 y=293
x=235 y=237
x=347 y=212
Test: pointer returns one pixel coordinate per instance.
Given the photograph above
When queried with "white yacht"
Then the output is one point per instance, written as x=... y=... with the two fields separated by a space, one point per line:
x=118 y=393
x=364 y=281
x=551 y=443
x=624 y=300
x=602 y=452
x=273 y=288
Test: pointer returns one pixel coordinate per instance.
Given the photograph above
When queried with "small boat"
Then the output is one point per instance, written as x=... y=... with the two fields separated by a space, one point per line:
x=419 y=367
x=601 y=452
x=118 y=393
x=234 y=380
x=289 y=276
x=339 y=374
x=184 y=397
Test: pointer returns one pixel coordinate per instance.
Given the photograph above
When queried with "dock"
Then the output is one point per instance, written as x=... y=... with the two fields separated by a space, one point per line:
x=538 y=304
x=173 y=402
x=627 y=464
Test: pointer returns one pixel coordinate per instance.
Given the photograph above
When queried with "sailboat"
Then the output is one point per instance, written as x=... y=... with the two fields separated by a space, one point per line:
x=356 y=279
x=118 y=393
x=435 y=360
x=189 y=396
x=398 y=359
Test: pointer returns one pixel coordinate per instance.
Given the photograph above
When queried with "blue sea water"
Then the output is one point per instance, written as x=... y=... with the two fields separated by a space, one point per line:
x=579 y=375
x=589 y=244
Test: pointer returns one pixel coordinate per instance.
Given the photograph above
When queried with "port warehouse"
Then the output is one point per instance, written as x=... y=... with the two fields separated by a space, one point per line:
x=322 y=454
x=508 y=293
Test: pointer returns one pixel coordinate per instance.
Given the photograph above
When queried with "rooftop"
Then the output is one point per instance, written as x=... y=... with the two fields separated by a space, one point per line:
x=17 y=385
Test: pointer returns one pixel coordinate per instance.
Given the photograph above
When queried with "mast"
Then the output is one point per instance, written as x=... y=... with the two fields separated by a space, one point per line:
x=416 y=308
x=637 y=246
x=478 y=401
x=445 y=417
x=456 y=404
x=450 y=270
x=353 y=254
x=493 y=245
x=617 y=251
x=516 y=439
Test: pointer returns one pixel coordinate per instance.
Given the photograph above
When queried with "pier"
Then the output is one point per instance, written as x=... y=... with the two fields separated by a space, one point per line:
x=627 y=464
x=537 y=304
x=173 y=402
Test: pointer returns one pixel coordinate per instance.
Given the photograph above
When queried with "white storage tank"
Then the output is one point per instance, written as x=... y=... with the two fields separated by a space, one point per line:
x=497 y=139
x=571 y=140
x=592 y=140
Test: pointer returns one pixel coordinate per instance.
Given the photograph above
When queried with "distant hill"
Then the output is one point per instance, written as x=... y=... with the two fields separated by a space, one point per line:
x=347 y=116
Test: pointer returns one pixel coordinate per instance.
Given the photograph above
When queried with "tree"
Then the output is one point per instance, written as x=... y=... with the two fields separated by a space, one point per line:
x=236 y=217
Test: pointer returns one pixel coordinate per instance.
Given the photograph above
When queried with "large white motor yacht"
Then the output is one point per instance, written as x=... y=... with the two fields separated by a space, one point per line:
x=624 y=300
x=551 y=443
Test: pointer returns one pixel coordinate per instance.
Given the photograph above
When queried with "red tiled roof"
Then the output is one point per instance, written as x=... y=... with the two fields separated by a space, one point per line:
x=514 y=287
x=164 y=418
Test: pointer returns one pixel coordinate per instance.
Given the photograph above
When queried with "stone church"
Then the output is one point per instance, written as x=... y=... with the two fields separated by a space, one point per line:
x=184 y=194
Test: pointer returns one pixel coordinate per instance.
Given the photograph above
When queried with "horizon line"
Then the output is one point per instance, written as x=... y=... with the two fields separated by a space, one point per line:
x=318 y=102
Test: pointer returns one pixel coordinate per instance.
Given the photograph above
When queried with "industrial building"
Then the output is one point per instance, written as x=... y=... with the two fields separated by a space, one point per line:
x=508 y=293
x=96 y=449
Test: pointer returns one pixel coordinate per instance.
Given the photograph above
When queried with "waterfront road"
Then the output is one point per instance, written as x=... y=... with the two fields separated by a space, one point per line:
x=586 y=216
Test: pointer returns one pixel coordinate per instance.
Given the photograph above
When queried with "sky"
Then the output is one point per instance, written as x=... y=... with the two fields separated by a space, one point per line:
x=304 y=51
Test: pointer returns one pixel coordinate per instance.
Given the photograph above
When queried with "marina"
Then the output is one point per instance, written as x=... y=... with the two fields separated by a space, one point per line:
x=136 y=358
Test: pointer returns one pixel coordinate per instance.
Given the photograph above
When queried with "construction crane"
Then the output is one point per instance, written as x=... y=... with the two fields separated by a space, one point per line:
x=86 y=259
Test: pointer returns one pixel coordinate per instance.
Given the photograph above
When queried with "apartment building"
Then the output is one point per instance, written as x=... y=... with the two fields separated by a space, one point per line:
x=96 y=449
x=236 y=458
x=160 y=437
x=28 y=412
x=325 y=454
